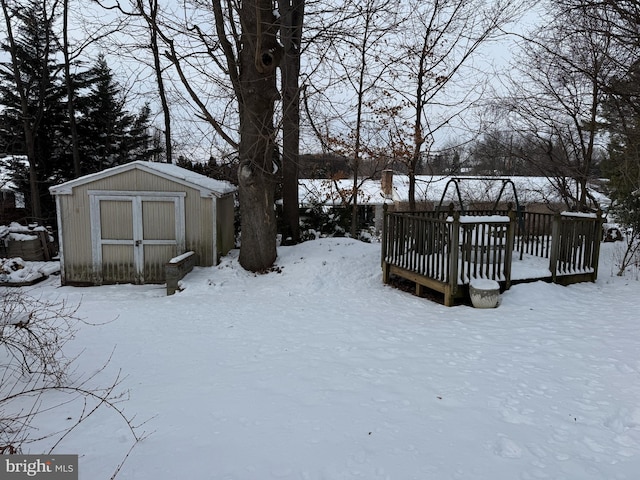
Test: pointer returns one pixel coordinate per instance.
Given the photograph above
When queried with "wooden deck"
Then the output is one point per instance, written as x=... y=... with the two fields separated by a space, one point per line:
x=445 y=251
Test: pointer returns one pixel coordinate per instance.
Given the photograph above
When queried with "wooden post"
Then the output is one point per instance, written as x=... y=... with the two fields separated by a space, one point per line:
x=454 y=253
x=508 y=253
x=597 y=238
x=43 y=236
x=555 y=247
x=521 y=215
x=385 y=236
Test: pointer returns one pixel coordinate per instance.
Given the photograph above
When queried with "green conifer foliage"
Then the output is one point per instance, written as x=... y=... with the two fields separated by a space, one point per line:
x=111 y=135
x=108 y=134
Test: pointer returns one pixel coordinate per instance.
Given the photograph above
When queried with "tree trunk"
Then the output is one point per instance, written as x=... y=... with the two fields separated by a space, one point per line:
x=36 y=209
x=259 y=58
x=412 y=190
x=155 y=50
x=292 y=12
x=29 y=120
x=415 y=158
x=70 y=92
x=355 y=225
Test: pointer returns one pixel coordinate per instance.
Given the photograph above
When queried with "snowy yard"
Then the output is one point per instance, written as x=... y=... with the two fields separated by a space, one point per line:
x=319 y=371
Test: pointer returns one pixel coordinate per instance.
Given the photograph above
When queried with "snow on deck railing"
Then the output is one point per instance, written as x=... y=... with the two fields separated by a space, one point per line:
x=482 y=219
x=579 y=214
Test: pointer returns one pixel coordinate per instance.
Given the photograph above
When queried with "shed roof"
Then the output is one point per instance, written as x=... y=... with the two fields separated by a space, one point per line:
x=207 y=186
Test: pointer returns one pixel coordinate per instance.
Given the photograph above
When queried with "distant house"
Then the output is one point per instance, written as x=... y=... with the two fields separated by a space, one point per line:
x=336 y=194
x=533 y=193
x=122 y=225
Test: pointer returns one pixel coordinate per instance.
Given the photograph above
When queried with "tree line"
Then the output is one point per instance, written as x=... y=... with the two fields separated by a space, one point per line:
x=380 y=84
x=60 y=119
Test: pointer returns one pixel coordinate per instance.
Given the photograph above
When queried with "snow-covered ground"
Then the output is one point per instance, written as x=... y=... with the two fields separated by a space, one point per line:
x=319 y=371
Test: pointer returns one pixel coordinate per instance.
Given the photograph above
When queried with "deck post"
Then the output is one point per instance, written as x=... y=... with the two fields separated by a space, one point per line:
x=454 y=254
x=383 y=250
x=386 y=273
x=597 y=238
x=555 y=246
x=383 y=253
x=508 y=253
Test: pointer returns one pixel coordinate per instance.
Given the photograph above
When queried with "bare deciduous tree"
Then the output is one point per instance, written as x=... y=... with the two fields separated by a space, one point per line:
x=557 y=94
x=438 y=80
x=351 y=83
x=149 y=10
x=255 y=70
x=31 y=113
x=238 y=52
x=70 y=84
x=291 y=15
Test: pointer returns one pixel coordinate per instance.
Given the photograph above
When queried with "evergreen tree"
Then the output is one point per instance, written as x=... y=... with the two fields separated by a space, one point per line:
x=33 y=96
x=32 y=120
x=109 y=134
x=622 y=111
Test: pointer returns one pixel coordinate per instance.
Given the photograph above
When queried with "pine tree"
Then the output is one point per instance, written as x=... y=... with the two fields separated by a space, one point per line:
x=32 y=120
x=622 y=112
x=109 y=134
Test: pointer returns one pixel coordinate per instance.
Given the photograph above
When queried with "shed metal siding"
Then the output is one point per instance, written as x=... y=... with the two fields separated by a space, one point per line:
x=76 y=226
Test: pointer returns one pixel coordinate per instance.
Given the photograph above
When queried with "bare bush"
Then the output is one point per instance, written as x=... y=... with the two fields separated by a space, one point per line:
x=32 y=334
x=37 y=377
x=626 y=257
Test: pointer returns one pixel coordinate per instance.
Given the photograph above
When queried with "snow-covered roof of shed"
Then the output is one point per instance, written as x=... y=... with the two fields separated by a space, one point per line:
x=430 y=188
x=203 y=183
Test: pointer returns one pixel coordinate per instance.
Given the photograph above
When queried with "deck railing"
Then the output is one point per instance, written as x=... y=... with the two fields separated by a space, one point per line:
x=445 y=250
x=418 y=243
x=532 y=230
x=534 y=234
x=576 y=247
x=443 y=253
x=486 y=247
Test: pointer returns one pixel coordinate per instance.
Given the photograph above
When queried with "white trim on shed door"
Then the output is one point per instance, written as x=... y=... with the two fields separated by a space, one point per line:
x=112 y=237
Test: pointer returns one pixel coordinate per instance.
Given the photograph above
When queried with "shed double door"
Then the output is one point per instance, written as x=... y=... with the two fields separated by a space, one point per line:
x=136 y=235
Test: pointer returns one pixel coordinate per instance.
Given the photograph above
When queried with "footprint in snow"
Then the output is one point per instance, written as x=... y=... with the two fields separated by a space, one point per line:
x=507 y=448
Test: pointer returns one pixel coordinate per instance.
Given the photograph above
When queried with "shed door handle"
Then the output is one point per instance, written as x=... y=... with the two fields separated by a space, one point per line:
x=138 y=243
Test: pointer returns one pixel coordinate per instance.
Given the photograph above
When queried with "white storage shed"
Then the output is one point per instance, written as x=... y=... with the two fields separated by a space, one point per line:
x=123 y=224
